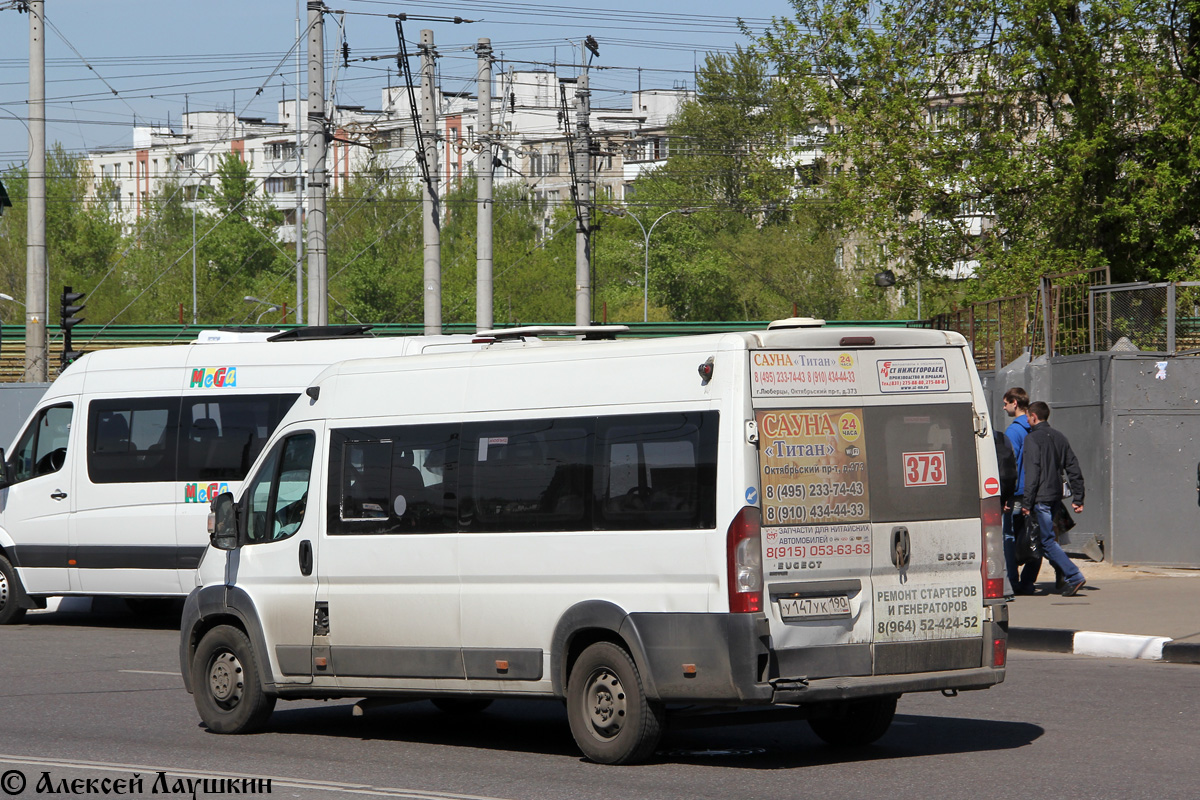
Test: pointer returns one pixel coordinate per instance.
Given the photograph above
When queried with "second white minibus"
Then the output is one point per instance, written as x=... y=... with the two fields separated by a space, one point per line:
x=105 y=489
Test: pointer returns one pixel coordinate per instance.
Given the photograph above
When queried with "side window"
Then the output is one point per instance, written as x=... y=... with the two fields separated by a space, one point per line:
x=921 y=462
x=132 y=440
x=657 y=471
x=393 y=479
x=221 y=436
x=42 y=449
x=277 y=497
x=527 y=475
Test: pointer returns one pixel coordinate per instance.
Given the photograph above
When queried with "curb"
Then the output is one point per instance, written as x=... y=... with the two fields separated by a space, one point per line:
x=1104 y=645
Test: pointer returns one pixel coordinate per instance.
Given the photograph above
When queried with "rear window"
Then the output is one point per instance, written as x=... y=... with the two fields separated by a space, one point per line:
x=921 y=462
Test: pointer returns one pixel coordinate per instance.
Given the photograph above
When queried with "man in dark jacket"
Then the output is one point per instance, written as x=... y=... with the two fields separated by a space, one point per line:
x=1047 y=456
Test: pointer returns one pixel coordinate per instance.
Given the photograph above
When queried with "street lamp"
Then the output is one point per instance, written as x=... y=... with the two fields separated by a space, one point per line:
x=11 y=299
x=196 y=201
x=269 y=307
x=623 y=212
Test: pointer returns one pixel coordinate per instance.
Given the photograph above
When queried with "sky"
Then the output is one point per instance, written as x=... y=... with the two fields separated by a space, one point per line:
x=111 y=62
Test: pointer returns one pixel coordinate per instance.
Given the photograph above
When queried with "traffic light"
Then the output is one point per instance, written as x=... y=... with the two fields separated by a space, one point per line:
x=69 y=309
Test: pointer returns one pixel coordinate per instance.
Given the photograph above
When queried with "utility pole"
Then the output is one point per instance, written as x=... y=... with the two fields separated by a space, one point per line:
x=299 y=179
x=583 y=171
x=318 y=280
x=483 y=127
x=36 y=300
x=429 y=201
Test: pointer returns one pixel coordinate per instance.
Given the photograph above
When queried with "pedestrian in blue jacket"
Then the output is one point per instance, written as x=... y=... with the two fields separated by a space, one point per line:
x=1016 y=405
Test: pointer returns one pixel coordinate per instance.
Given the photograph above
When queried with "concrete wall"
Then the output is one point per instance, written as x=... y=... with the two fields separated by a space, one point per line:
x=1137 y=438
x=16 y=401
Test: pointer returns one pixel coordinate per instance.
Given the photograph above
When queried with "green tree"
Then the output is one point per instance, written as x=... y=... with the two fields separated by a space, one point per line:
x=1068 y=128
x=754 y=247
x=83 y=236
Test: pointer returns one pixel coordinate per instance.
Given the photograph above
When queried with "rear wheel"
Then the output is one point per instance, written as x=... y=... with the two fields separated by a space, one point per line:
x=228 y=693
x=856 y=724
x=461 y=705
x=611 y=719
x=9 y=590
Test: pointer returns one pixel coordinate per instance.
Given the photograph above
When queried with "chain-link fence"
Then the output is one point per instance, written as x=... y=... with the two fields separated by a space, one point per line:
x=1151 y=317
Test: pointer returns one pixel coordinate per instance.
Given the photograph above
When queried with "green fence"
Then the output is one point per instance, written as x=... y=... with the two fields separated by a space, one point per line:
x=98 y=337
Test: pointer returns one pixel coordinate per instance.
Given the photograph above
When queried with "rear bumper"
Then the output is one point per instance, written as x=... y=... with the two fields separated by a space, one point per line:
x=824 y=689
x=728 y=659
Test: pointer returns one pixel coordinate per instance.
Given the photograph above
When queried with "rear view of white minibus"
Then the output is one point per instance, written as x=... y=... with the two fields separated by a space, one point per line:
x=882 y=562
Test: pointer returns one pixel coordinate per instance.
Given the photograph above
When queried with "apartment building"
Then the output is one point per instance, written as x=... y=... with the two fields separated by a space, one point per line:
x=534 y=125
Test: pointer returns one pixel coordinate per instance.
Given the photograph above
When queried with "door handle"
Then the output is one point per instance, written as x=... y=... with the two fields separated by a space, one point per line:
x=306 y=560
x=58 y=494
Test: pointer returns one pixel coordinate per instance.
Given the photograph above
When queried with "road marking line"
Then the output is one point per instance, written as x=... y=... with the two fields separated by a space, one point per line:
x=149 y=672
x=291 y=783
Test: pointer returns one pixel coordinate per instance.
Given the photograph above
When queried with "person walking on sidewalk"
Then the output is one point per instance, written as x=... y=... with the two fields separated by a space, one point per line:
x=1047 y=456
x=1016 y=405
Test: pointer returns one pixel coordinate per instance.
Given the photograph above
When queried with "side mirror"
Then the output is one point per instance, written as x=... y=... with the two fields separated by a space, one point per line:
x=222 y=522
x=4 y=481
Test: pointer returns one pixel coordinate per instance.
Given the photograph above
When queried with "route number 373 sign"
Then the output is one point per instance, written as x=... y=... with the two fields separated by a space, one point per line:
x=925 y=469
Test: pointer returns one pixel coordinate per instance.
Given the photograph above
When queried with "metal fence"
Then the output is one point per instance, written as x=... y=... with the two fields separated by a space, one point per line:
x=1151 y=317
x=1059 y=313
x=995 y=328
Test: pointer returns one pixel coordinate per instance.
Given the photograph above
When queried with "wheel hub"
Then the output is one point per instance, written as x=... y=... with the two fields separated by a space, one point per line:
x=225 y=679
x=606 y=706
x=3 y=590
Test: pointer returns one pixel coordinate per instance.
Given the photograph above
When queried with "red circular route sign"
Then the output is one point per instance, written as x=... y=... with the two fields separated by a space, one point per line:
x=991 y=486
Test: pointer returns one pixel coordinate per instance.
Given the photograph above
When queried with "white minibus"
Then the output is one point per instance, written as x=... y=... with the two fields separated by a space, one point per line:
x=106 y=488
x=801 y=518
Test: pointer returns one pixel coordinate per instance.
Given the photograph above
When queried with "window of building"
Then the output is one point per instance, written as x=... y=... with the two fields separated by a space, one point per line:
x=277 y=185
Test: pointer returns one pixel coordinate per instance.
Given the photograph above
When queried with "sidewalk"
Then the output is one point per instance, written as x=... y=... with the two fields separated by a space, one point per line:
x=1123 y=612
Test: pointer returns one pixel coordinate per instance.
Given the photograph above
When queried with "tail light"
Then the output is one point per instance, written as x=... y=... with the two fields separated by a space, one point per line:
x=999 y=652
x=993 y=548
x=743 y=551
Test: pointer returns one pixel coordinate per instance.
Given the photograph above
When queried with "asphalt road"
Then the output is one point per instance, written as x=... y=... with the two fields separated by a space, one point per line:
x=95 y=696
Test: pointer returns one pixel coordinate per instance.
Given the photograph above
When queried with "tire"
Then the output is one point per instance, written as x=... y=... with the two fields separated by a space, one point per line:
x=228 y=693
x=461 y=705
x=611 y=719
x=10 y=589
x=856 y=724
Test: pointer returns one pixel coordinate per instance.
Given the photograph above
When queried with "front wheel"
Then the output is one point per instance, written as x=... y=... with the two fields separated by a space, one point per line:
x=856 y=724
x=228 y=693
x=611 y=719
x=10 y=584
